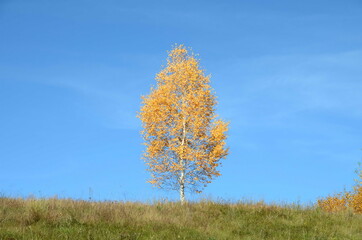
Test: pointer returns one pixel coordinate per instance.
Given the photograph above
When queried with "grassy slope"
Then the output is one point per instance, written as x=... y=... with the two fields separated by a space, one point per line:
x=71 y=219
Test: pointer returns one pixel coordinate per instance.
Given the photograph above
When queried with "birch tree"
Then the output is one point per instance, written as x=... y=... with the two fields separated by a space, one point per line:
x=184 y=140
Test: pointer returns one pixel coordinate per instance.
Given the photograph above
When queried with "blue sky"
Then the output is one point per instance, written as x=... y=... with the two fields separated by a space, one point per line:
x=288 y=76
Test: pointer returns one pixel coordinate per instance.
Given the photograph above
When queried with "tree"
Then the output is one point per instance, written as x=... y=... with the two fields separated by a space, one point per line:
x=348 y=199
x=184 y=141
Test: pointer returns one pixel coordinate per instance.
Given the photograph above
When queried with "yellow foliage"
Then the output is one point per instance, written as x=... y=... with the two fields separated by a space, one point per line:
x=184 y=143
x=339 y=202
x=333 y=203
x=355 y=201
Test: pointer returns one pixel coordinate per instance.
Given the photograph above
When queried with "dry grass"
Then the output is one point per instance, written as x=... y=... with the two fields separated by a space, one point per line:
x=75 y=219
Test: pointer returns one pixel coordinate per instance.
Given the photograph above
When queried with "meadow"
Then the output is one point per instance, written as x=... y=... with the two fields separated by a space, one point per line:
x=55 y=218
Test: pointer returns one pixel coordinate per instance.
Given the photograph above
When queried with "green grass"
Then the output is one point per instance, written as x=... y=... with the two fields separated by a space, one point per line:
x=75 y=219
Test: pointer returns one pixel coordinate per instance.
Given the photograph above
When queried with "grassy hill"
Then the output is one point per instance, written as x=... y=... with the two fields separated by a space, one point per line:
x=75 y=219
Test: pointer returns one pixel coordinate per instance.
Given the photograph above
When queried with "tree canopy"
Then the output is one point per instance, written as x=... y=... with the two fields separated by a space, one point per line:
x=184 y=140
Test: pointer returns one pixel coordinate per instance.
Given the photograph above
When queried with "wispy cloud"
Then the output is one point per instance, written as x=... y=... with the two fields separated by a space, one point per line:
x=112 y=94
x=273 y=89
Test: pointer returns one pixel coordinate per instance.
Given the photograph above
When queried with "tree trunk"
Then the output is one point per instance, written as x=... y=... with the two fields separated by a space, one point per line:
x=182 y=162
x=182 y=184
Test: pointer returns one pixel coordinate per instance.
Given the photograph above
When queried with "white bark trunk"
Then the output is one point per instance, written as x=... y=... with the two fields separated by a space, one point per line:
x=182 y=163
x=182 y=185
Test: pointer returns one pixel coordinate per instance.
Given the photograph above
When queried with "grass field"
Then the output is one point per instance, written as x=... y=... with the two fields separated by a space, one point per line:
x=75 y=219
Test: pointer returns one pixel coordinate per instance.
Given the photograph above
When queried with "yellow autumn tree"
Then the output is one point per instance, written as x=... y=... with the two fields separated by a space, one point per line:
x=184 y=141
x=348 y=199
